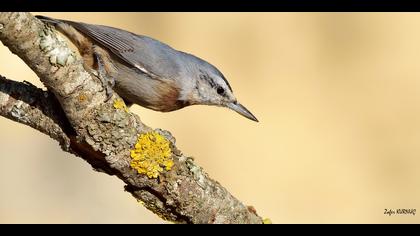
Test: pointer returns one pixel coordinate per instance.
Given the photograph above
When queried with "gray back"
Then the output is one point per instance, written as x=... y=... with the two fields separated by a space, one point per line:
x=135 y=50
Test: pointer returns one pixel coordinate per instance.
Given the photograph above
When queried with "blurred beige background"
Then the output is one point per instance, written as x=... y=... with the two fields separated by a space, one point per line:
x=337 y=96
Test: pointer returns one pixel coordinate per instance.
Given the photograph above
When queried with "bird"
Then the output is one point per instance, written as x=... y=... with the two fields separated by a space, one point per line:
x=147 y=72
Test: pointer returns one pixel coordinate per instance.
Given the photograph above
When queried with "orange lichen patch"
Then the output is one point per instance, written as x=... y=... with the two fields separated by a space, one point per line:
x=82 y=97
x=151 y=154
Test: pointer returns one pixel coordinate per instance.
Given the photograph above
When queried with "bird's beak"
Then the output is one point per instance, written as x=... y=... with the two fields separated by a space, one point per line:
x=242 y=110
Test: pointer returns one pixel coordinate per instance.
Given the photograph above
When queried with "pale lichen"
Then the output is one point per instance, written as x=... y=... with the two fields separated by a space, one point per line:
x=56 y=48
x=197 y=172
x=151 y=154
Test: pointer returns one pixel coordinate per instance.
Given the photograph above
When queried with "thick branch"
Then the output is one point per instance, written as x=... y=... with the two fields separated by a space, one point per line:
x=102 y=134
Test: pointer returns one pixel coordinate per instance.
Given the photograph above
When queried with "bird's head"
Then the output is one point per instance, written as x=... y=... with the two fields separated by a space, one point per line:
x=208 y=86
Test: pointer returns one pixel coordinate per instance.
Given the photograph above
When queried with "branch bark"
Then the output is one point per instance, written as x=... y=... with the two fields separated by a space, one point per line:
x=72 y=112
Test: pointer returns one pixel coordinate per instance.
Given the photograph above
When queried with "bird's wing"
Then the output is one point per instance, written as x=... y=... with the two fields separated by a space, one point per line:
x=150 y=56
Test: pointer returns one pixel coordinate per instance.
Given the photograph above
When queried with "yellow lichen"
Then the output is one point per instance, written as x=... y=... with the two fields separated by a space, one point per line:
x=151 y=154
x=119 y=104
x=267 y=221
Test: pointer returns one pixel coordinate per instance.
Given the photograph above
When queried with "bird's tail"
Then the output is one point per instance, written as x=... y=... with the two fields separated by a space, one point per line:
x=49 y=20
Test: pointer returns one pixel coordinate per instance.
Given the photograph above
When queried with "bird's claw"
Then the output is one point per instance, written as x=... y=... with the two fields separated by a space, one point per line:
x=108 y=82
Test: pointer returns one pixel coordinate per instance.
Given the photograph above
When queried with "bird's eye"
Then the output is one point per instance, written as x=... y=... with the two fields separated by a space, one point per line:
x=220 y=91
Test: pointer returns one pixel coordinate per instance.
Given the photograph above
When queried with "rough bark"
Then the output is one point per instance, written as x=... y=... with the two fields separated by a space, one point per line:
x=74 y=113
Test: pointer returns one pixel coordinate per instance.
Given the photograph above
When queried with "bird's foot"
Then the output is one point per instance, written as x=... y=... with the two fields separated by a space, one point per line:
x=108 y=82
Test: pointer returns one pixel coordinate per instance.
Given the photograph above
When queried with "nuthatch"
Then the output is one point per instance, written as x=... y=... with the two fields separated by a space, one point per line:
x=147 y=72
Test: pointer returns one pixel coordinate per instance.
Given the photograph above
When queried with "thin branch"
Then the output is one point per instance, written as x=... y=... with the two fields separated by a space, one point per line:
x=29 y=105
x=101 y=133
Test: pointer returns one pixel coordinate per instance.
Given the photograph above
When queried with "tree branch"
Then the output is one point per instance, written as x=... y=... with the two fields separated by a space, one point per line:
x=29 y=105
x=74 y=113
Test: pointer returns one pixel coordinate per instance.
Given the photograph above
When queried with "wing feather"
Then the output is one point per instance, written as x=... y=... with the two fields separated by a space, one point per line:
x=149 y=56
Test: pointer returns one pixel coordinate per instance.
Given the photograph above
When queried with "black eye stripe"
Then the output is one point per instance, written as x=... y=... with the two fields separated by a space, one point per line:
x=203 y=77
x=227 y=83
x=207 y=78
x=220 y=90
